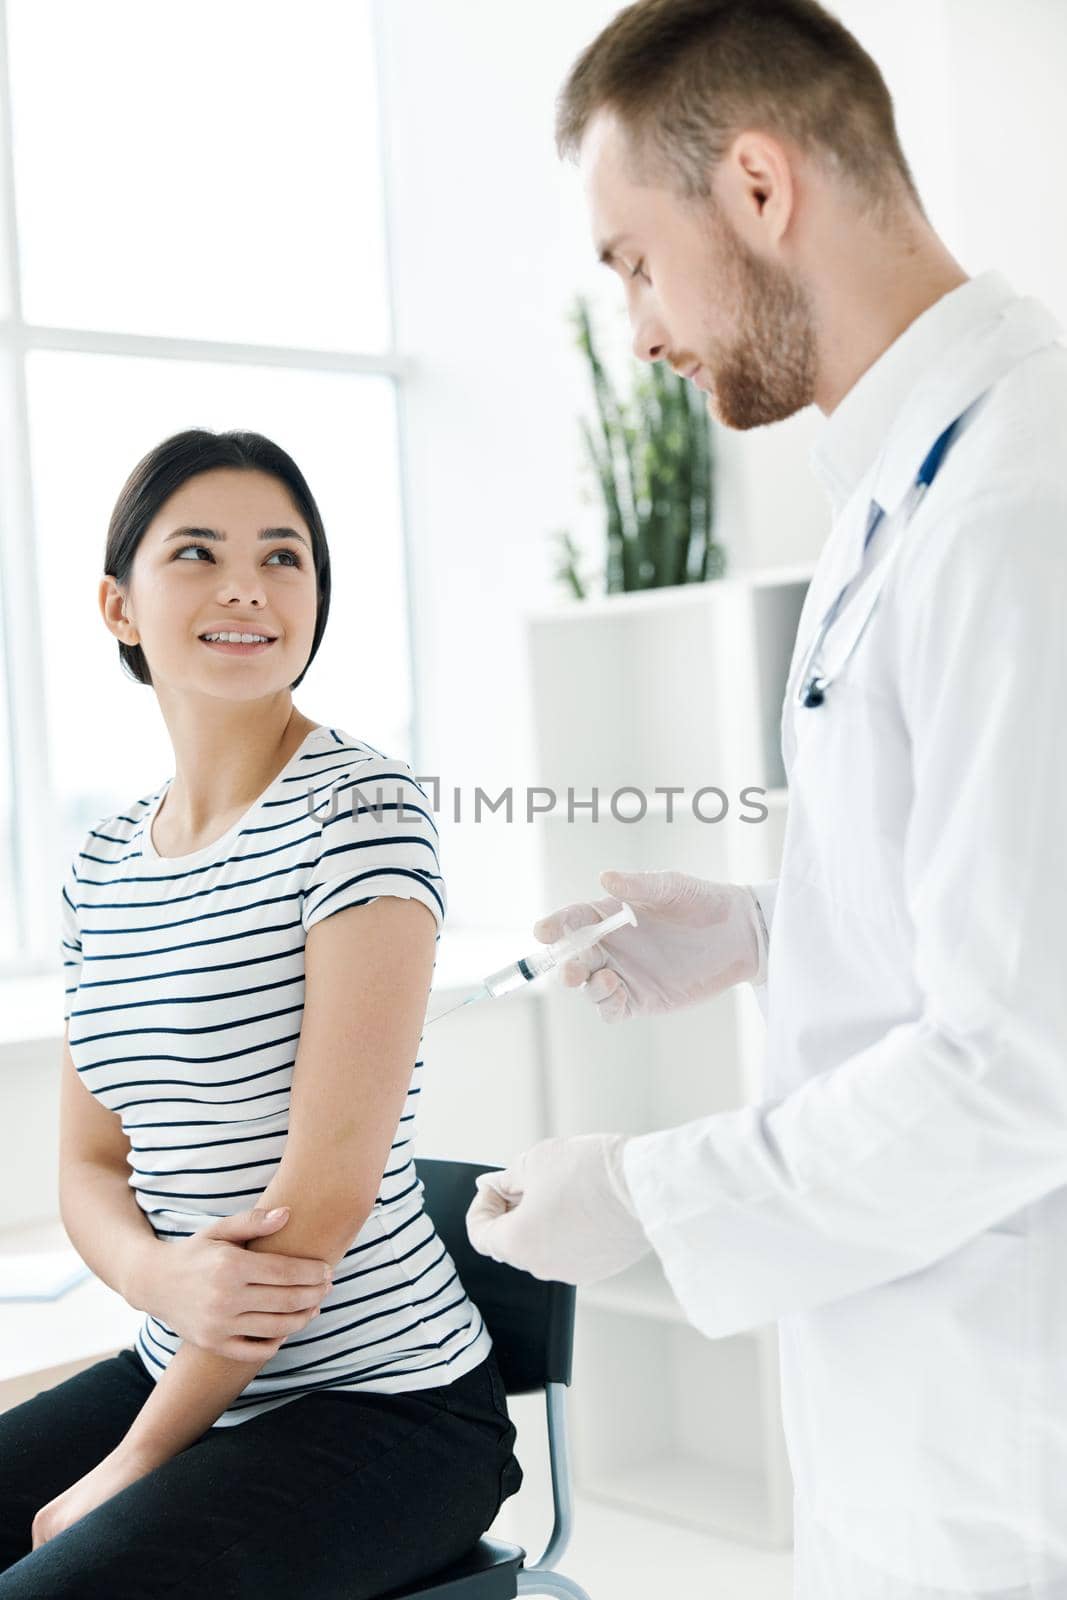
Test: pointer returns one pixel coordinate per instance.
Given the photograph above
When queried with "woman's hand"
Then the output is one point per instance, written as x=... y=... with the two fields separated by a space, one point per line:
x=235 y=1302
x=117 y=1470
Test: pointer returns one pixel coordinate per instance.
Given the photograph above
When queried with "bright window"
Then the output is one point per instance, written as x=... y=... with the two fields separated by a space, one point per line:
x=196 y=238
x=203 y=170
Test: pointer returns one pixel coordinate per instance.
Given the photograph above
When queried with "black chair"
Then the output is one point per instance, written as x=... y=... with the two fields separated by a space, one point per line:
x=532 y=1327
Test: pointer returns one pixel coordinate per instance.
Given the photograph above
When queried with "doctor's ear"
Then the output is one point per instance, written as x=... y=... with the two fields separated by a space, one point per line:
x=755 y=187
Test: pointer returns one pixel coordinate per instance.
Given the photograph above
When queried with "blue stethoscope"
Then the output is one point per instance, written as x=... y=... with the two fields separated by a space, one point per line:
x=813 y=683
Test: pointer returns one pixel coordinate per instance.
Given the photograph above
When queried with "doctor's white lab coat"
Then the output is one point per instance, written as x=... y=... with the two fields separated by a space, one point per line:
x=898 y=1201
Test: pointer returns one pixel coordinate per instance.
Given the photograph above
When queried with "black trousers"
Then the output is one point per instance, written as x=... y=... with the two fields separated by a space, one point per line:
x=333 y=1496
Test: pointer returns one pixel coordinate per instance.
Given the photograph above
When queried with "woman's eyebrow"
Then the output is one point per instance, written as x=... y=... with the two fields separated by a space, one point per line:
x=213 y=533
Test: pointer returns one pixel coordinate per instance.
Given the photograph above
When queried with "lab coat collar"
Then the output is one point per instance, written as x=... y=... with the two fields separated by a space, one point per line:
x=968 y=368
x=857 y=429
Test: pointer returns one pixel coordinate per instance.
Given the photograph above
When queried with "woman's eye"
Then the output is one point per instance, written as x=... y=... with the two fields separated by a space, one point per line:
x=639 y=270
x=293 y=557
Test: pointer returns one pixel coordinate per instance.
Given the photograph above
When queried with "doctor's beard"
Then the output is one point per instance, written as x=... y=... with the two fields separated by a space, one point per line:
x=767 y=371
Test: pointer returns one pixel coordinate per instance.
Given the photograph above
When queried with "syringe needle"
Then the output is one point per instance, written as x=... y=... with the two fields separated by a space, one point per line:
x=477 y=994
x=445 y=1012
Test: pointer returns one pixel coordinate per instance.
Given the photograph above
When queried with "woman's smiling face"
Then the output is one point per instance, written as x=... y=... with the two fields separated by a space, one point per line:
x=227 y=551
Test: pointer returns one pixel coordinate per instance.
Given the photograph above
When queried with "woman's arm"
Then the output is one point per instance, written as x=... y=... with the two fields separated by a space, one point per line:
x=367 y=973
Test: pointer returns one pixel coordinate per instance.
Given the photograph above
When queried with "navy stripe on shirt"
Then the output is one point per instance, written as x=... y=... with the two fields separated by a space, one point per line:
x=164 y=1032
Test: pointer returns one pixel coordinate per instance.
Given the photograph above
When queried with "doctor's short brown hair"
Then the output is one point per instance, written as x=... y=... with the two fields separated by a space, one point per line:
x=686 y=76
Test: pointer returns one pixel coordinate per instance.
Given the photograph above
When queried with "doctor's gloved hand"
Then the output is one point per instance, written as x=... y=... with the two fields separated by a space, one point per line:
x=692 y=940
x=562 y=1211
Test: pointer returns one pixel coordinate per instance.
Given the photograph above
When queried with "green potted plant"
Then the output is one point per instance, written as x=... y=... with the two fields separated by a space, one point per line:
x=653 y=461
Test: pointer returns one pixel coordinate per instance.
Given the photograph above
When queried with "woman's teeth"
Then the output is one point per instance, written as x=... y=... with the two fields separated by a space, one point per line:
x=236 y=638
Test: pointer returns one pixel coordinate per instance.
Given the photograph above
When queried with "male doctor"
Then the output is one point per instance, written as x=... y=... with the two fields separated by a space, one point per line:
x=898 y=1201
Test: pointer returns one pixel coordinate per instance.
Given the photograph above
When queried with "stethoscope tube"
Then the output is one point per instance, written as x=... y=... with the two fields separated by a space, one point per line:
x=814 y=684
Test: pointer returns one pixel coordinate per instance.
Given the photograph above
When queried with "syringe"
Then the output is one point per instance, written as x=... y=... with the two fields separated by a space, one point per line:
x=523 y=971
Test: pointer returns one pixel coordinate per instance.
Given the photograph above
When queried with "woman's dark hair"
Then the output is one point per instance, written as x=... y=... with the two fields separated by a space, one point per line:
x=172 y=463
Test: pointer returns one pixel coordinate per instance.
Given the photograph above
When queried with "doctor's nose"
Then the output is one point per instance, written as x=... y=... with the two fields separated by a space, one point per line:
x=649 y=341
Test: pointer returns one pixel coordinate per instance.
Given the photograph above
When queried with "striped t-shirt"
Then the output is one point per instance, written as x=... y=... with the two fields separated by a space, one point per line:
x=184 y=994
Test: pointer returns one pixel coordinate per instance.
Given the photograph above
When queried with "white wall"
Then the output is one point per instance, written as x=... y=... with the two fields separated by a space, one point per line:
x=489 y=246
x=1007 y=92
x=491 y=243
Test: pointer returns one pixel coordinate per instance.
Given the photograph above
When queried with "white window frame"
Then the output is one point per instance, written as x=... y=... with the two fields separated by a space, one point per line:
x=35 y=828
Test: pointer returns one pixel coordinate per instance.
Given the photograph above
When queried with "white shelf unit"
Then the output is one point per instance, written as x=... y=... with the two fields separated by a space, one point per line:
x=670 y=687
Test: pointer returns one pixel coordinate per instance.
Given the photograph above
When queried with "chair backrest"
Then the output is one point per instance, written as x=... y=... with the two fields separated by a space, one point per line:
x=531 y=1321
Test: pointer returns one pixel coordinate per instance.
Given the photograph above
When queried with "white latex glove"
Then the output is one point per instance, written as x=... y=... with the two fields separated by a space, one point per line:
x=693 y=939
x=561 y=1211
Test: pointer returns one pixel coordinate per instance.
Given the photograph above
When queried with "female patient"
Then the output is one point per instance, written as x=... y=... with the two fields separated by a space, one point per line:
x=249 y=953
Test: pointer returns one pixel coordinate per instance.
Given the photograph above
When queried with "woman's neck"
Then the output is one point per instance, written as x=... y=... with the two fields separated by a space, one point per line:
x=219 y=772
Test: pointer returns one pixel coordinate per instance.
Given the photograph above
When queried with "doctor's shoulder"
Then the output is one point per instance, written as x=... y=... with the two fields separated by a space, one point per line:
x=1001 y=500
x=1016 y=438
